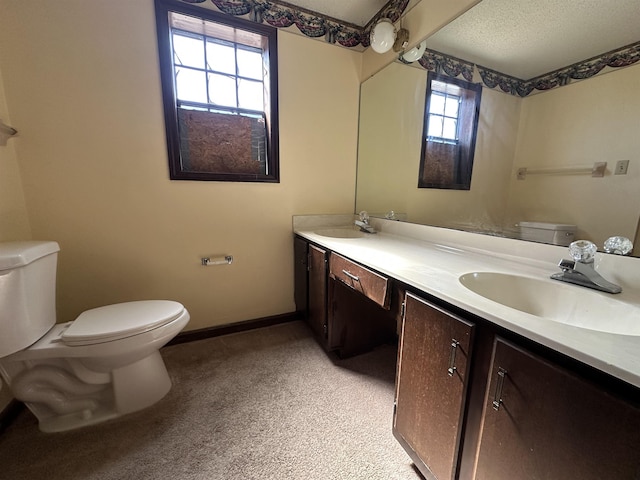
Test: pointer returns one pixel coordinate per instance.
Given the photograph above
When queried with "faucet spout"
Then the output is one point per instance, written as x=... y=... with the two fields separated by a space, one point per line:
x=363 y=223
x=584 y=274
x=365 y=227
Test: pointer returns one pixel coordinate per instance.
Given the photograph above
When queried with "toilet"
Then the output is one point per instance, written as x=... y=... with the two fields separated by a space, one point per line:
x=104 y=364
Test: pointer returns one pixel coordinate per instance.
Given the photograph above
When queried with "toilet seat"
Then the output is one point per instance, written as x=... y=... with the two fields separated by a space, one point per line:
x=118 y=321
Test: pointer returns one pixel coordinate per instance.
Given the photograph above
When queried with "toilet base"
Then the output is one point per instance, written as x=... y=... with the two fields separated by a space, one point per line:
x=61 y=401
x=140 y=384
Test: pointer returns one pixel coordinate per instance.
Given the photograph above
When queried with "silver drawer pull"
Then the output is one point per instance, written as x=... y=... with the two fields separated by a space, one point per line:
x=452 y=357
x=353 y=277
x=497 y=397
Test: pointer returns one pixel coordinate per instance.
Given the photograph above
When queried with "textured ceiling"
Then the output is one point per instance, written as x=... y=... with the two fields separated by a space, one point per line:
x=525 y=39
x=521 y=38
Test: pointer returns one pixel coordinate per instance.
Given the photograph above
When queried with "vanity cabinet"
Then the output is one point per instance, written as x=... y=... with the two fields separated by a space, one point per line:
x=471 y=404
x=348 y=306
x=541 y=421
x=370 y=284
x=317 y=293
x=475 y=401
x=359 y=307
x=300 y=276
x=432 y=379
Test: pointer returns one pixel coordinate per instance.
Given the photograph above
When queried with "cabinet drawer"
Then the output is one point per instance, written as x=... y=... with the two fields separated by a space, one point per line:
x=361 y=279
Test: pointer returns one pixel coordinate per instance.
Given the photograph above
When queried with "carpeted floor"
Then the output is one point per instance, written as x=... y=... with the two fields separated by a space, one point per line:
x=264 y=404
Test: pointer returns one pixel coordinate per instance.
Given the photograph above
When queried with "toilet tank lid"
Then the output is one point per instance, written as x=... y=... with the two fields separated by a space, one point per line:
x=548 y=226
x=18 y=254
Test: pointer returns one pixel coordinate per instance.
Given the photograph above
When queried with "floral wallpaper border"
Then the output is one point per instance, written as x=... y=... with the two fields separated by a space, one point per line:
x=311 y=24
x=315 y=25
x=454 y=67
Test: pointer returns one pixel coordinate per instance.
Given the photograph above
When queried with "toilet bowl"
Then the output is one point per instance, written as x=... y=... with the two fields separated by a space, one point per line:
x=102 y=365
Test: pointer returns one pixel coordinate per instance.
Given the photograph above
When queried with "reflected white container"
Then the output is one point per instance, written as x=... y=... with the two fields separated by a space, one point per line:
x=552 y=233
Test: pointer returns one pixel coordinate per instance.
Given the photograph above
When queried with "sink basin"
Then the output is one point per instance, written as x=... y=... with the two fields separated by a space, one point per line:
x=548 y=299
x=341 y=232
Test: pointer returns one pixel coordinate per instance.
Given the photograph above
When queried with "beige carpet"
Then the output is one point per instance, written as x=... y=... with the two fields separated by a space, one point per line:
x=264 y=404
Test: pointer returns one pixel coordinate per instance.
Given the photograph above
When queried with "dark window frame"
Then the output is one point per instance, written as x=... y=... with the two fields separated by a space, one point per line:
x=170 y=102
x=464 y=148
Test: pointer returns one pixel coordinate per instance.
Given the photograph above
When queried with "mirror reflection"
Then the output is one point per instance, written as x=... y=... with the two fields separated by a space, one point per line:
x=449 y=133
x=557 y=134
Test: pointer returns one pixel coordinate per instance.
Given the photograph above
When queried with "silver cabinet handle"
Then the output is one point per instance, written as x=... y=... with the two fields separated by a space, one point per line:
x=351 y=276
x=452 y=357
x=497 y=397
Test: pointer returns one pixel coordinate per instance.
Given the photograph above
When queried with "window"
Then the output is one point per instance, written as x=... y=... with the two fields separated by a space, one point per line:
x=219 y=87
x=444 y=107
x=449 y=134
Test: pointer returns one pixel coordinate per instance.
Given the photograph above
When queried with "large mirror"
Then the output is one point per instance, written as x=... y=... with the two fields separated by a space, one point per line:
x=556 y=134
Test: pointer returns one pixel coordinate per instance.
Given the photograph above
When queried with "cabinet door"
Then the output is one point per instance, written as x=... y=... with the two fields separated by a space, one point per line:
x=300 y=273
x=543 y=422
x=318 y=292
x=433 y=366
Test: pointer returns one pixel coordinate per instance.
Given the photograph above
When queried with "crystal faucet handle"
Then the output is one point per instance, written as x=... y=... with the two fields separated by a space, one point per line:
x=364 y=216
x=583 y=251
x=618 y=245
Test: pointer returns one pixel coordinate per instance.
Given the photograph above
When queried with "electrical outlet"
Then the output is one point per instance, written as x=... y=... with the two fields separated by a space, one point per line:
x=621 y=167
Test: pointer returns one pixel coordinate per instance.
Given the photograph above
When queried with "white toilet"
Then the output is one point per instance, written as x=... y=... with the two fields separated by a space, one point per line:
x=102 y=365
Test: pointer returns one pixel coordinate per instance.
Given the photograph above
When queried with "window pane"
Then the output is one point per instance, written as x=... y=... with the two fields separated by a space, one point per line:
x=221 y=58
x=451 y=107
x=250 y=95
x=191 y=85
x=435 y=126
x=249 y=64
x=437 y=103
x=188 y=51
x=222 y=90
x=449 y=128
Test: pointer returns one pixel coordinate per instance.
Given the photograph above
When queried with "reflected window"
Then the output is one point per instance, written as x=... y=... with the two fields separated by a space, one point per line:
x=443 y=113
x=449 y=134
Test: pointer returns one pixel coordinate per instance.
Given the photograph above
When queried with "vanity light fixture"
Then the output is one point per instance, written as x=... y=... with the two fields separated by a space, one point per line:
x=383 y=36
x=414 y=53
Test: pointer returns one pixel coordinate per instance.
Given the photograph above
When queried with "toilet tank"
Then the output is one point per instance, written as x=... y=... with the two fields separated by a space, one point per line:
x=553 y=233
x=27 y=293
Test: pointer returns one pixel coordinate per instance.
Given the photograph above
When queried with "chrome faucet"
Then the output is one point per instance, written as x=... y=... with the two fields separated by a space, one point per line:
x=363 y=223
x=580 y=270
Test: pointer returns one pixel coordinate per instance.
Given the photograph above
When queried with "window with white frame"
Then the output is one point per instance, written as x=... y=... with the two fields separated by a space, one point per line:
x=444 y=108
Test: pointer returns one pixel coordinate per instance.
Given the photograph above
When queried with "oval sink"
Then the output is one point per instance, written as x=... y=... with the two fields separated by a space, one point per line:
x=571 y=305
x=340 y=232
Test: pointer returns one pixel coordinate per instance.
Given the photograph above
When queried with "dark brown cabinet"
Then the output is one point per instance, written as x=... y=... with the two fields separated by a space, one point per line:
x=542 y=421
x=359 y=300
x=431 y=384
x=347 y=305
x=473 y=400
x=300 y=276
x=473 y=405
x=317 y=299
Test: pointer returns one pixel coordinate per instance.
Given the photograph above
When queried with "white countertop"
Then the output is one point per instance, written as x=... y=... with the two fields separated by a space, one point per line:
x=434 y=259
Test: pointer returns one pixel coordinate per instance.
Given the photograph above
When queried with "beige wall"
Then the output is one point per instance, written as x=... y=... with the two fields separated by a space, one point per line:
x=14 y=223
x=82 y=83
x=579 y=124
x=595 y=120
x=391 y=124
